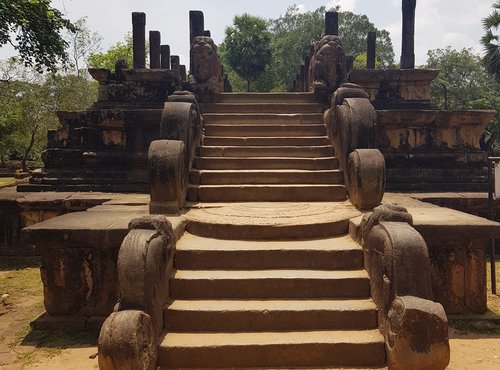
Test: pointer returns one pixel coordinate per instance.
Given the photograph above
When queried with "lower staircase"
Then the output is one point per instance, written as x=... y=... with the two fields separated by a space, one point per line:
x=278 y=300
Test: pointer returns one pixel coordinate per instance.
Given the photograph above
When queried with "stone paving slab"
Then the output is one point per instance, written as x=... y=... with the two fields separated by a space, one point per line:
x=434 y=221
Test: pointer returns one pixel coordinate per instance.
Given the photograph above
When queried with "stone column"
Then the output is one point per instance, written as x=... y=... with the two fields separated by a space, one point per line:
x=165 y=56
x=183 y=72
x=370 y=50
x=196 y=25
x=154 y=49
x=302 y=77
x=139 y=39
x=332 y=23
x=408 y=39
x=307 y=63
x=175 y=65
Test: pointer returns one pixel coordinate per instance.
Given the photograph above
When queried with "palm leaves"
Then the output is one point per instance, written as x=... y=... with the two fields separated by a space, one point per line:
x=491 y=41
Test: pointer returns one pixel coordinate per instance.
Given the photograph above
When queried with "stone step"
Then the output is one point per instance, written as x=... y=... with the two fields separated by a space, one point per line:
x=270 y=220
x=270 y=315
x=265 y=130
x=266 y=141
x=262 y=119
x=235 y=177
x=276 y=108
x=228 y=163
x=267 y=193
x=267 y=151
x=199 y=253
x=269 y=284
x=272 y=349
x=287 y=98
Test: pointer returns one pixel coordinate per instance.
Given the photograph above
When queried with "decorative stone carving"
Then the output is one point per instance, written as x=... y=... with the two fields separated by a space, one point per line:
x=397 y=260
x=144 y=268
x=328 y=66
x=168 y=176
x=181 y=120
x=127 y=341
x=351 y=125
x=129 y=337
x=416 y=335
x=206 y=67
x=350 y=122
x=365 y=178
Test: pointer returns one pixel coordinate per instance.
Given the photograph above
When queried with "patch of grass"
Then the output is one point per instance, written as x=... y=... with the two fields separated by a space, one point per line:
x=54 y=341
x=20 y=281
x=20 y=335
x=484 y=327
x=26 y=359
x=7 y=181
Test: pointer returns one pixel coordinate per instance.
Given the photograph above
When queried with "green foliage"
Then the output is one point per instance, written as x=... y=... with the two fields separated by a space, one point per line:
x=247 y=47
x=462 y=80
x=294 y=32
x=491 y=42
x=353 y=30
x=83 y=44
x=30 y=103
x=464 y=83
x=361 y=60
x=120 y=50
x=37 y=27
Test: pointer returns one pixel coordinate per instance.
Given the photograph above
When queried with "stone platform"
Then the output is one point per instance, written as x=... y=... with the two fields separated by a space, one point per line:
x=85 y=244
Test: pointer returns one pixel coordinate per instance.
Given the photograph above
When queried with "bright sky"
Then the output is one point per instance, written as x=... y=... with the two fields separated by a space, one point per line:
x=439 y=23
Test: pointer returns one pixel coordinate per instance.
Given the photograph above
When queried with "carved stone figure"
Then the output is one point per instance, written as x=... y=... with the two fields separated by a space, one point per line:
x=351 y=126
x=129 y=336
x=206 y=67
x=396 y=258
x=328 y=66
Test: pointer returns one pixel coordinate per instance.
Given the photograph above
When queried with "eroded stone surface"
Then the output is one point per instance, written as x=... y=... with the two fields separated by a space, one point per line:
x=127 y=341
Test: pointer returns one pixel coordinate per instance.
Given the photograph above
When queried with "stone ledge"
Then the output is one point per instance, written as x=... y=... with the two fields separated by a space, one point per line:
x=437 y=222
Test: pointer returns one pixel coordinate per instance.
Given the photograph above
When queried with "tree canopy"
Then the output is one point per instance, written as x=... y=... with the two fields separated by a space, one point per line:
x=491 y=41
x=120 y=50
x=463 y=82
x=37 y=28
x=292 y=35
x=247 y=47
x=30 y=100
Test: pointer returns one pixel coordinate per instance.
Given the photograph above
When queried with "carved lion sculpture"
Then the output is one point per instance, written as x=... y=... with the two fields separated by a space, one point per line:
x=206 y=68
x=328 y=67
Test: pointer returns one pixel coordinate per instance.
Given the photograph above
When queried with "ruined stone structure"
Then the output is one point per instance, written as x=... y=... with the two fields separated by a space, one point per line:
x=311 y=271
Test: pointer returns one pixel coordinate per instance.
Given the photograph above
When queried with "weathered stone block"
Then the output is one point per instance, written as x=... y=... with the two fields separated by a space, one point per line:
x=417 y=335
x=127 y=342
x=366 y=178
x=145 y=262
x=459 y=274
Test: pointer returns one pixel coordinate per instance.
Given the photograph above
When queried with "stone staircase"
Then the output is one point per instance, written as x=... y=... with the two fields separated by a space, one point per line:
x=247 y=290
x=265 y=147
x=265 y=304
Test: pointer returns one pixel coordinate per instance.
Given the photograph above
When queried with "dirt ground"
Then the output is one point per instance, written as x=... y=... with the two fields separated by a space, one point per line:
x=474 y=344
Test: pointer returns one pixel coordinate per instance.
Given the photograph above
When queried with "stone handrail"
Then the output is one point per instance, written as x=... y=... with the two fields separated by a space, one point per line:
x=170 y=158
x=130 y=335
x=396 y=257
x=351 y=127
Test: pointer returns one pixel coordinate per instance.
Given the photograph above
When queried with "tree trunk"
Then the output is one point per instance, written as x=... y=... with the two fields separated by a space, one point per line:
x=27 y=151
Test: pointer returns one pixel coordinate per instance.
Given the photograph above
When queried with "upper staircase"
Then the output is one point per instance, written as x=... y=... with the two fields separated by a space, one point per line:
x=265 y=147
